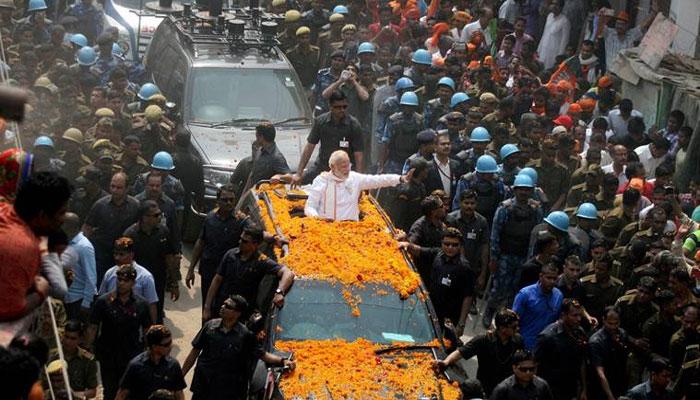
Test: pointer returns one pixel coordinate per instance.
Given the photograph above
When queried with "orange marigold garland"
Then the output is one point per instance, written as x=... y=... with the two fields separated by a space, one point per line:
x=351 y=253
x=358 y=373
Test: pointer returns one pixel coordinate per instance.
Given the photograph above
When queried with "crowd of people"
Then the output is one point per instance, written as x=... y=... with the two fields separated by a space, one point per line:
x=492 y=132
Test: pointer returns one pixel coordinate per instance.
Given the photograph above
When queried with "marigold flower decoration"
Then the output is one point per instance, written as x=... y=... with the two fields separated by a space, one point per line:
x=365 y=375
x=352 y=253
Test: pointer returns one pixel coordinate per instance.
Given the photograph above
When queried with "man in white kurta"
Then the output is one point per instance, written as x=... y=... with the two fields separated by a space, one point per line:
x=555 y=37
x=335 y=194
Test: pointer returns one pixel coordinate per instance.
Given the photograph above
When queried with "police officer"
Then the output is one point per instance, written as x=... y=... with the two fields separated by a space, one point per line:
x=288 y=37
x=512 y=224
x=635 y=307
x=366 y=56
x=325 y=78
x=305 y=57
x=399 y=138
x=106 y=62
x=420 y=64
x=71 y=153
x=686 y=336
x=439 y=106
x=391 y=105
x=153 y=132
x=510 y=159
x=557 y=224
x=585 y=229
x=332 y=35
x=588 y=190
x=553 y=177
x=479 y=139
x=454 y=123
x=489 y=188
x=426 y=148
x=82 y=367
x=130 y=159
x=621 y=216
x=600 y=289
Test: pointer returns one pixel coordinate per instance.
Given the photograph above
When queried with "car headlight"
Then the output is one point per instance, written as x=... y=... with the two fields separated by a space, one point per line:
x=214 y=178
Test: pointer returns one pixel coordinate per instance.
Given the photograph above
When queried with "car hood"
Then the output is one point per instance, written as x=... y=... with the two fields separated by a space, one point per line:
x=226 y=146
x=337 y=369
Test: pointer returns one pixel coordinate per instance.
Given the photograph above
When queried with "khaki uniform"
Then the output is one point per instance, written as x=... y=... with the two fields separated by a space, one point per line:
x=491 y=121
x=633 y=314
x=580 y=193
x=306 y=63
x=647 y=236
x=82 y=370
x=553 y=179
x=614 y=222
x=623 y=266
x=627 y=233
x=603 y=205
x=131 y=168
x=596 y=296
x=688 y=382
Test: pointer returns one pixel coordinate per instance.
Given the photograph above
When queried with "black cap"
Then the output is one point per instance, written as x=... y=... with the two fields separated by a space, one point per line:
x=129 y=139
x=338 y=53
x=426 y=136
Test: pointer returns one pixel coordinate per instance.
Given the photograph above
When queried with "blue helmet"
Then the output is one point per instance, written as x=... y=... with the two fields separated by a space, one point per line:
x=79 y=39
x=365 y=47
x=587 y=211
x=559 y=220
x=409 y=99
x=480 y=135
x=486 y=165
x=508 y=150
x=457 y=98
x=422 y=56
x=163 y=161
x=43 y=141
x=340 y=9
x=403 y=84
x=86 y=56
x=447 y=81
x=529 y=171
x=522 y=180
x=148 y=90
x=36 y=5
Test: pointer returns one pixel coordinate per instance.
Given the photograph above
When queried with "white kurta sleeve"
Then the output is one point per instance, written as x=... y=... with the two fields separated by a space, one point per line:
x=368 y=182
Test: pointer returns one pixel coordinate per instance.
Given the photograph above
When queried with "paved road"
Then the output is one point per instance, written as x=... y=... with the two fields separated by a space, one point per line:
x=183 y=317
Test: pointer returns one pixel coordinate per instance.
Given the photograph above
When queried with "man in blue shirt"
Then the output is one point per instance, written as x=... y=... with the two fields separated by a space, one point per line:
x=79 y=257
x=538 y=305
x=144 y=286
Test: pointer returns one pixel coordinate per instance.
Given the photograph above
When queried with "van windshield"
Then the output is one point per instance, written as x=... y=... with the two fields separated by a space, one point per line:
x=223 y=94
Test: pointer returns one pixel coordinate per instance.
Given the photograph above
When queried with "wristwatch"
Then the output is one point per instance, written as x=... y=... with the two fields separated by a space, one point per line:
x=279 y=291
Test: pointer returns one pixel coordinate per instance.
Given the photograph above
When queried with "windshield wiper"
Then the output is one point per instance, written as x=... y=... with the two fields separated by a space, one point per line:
x=288 y=120
x=391 y=349
x=236 y=121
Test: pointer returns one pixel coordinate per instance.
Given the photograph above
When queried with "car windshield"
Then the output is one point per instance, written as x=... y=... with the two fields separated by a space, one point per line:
x=218 y=95
x=317 y=310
